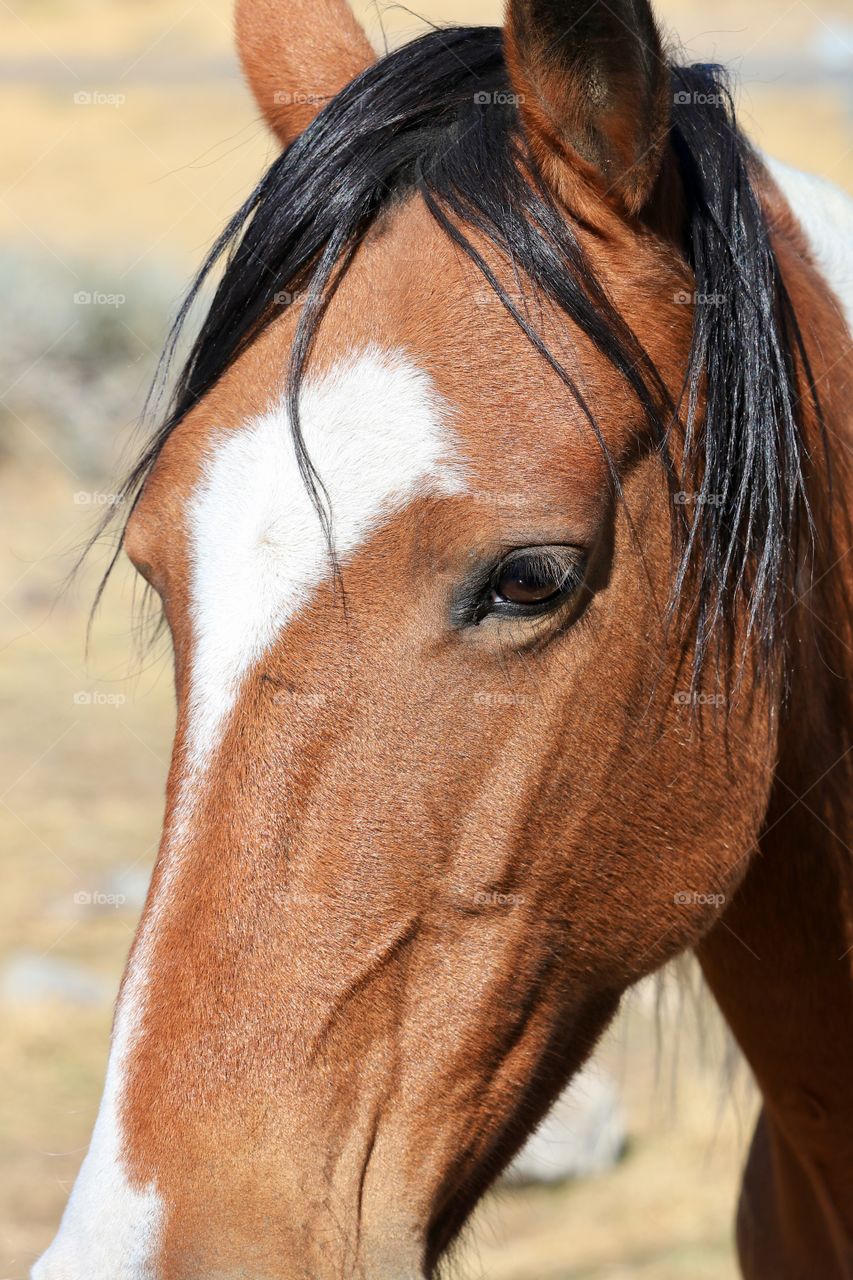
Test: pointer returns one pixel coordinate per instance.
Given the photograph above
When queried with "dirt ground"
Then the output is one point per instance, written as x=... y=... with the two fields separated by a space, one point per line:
x=112 y=196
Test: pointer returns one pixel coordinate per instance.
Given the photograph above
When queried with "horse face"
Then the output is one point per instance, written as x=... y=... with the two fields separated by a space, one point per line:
x=433 y=805
x=428 y=816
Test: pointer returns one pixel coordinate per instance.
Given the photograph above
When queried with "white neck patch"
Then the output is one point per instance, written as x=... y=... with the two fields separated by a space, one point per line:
x=375 y=429
x=825 y=214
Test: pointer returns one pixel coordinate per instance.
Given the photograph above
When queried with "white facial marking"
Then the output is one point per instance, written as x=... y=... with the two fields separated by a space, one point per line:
x=375 y=429
x=826 y=216
x=110 y=1230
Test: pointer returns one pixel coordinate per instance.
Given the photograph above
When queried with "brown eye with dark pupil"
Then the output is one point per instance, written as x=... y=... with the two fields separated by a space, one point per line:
x=526 y=583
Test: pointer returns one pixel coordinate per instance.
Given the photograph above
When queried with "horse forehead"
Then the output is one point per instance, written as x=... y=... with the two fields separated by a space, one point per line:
x=391 y=375
x=389 y=407
x=377 y=432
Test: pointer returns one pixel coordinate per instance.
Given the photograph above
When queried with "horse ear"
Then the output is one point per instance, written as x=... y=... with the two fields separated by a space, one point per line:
x=296 y=55
x=594 y=85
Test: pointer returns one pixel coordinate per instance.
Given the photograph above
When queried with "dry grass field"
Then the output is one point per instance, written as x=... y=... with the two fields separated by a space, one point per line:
x=128 y=141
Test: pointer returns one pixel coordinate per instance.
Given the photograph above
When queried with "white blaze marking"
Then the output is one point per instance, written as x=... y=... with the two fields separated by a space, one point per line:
x=826 y=216
x=109 y=1229
x=375 y=429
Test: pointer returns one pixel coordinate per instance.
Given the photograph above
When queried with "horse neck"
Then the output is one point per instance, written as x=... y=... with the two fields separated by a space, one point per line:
x=780 y=962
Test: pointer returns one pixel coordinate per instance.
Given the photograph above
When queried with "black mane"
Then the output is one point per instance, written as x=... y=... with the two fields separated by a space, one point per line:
x=437 y=117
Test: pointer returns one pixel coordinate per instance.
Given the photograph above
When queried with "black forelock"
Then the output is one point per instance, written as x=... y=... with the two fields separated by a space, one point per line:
x=437 y=117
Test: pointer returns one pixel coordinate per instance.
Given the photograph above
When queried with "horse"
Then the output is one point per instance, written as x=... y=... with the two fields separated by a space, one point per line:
x=499 y=520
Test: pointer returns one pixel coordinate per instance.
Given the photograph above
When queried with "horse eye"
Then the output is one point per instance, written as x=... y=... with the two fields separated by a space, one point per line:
x=529 y=580
x=525 y=583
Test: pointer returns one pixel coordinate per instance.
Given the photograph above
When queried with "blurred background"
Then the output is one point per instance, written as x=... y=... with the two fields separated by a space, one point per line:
x=128 y=140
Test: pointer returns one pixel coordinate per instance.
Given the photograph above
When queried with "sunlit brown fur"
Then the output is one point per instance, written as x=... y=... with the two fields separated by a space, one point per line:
x=409 y=906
